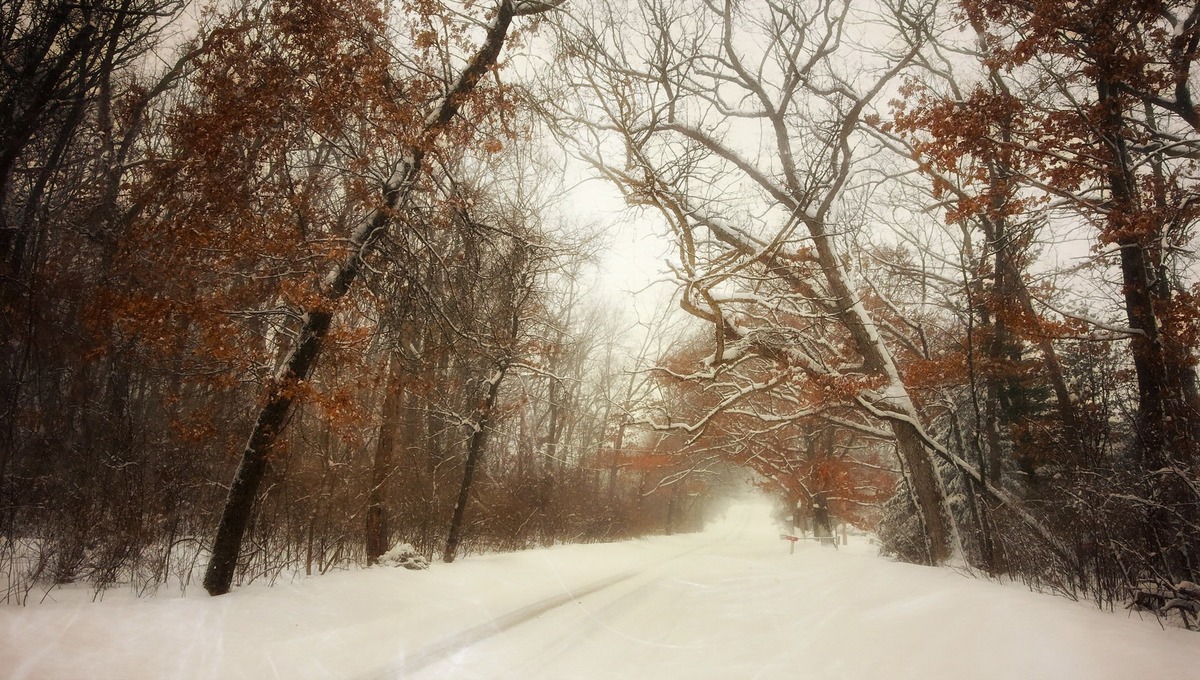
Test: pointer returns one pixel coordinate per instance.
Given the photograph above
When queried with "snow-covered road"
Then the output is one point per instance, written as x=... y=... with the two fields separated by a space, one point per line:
x=730 y=603
x=738 y=606
x=554 y=627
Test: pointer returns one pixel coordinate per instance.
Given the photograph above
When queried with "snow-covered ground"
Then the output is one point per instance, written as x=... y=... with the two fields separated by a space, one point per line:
x=729 y=603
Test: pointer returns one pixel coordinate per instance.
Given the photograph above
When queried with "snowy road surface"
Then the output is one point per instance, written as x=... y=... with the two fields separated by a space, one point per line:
x=730 y=603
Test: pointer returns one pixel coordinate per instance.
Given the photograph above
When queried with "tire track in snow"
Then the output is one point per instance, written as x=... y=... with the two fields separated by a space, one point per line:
x=472 y=636
x=449 y=646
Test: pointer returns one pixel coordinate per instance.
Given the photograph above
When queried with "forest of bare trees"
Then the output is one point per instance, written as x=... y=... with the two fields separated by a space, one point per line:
x=288 y=282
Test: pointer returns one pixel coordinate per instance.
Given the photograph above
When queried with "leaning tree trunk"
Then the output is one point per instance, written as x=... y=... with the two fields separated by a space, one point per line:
x=897 y=407
x=474 y=453
x=281 y=390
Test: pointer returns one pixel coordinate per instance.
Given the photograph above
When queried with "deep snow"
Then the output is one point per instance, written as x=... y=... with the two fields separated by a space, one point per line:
x=729 y=603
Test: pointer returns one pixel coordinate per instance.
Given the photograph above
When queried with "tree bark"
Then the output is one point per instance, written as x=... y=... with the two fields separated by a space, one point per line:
x=474 y=453
x=822 y=527
x=376 y=540
x=1165 y=419
x=253 y=467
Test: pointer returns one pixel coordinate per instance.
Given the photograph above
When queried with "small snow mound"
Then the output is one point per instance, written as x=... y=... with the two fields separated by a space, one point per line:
x=404 y=555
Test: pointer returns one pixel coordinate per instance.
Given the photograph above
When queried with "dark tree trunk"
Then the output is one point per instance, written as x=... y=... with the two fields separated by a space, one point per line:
x=1166 y=421
x=669 y=529
x=1010 y=287
x=253 y=467
x=1145 y=283
x=822 y=447
x=615 y=467
x=822 y=526
x=376 y=542
x=474 y=453
x=926 y=490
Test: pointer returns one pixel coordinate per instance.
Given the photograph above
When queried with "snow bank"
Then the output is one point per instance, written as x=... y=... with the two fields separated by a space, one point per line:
x=404 y=555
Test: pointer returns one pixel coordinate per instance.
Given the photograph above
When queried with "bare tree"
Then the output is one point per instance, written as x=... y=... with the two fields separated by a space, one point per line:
x=682 y=101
